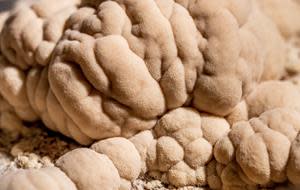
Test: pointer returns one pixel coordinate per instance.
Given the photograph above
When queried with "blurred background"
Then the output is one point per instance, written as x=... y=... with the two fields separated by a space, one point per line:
x=6 y=5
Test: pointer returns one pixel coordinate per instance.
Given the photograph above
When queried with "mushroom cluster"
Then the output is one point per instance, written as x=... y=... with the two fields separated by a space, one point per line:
x=190 y=92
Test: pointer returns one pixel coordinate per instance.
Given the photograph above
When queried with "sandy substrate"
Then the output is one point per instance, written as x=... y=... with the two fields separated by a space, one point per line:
x=32 y=147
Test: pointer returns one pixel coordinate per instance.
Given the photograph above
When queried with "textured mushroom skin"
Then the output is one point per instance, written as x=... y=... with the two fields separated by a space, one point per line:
x=156 y=69
x=260 y=147
x=50 y=178
x=270 y=95
x=30 y=34
x=115 y=68
x=184 y=146
x=124 y=155
x=89 y=170
x=137 y=76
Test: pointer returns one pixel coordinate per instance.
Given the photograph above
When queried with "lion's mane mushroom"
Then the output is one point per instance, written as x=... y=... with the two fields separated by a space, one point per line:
x=152 y=81
x=261 y=148
x=266 y=96
x=272 y=94
x=205 y=55
x=30 y=34
x=28 y=38
x=13 y=89
x=50 y=178
x=125 y=157
x=184 y=146
x=89 y=170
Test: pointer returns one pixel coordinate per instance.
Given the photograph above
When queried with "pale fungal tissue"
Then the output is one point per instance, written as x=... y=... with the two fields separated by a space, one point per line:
x=190 y=92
